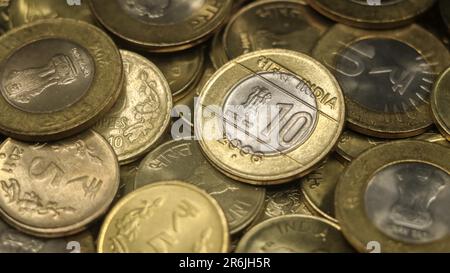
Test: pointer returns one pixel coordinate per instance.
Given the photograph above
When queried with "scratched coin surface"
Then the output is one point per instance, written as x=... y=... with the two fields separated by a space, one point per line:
x=57 y=77
x=183 y=160
x=294 y=234
x=440 y=103
x=142 y=113
x=162 y=25
x=170 y=216
x=14 y=241
x=397 y=194
x=386 y=77
x=269 y=116
x=283 y=24
x=378 y=14
x=57 y=189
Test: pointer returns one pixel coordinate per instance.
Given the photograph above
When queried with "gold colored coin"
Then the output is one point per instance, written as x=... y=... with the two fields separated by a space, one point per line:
x=162 y=26
x=294 y=234
x=440 y=103
x=169 y=216
x=397 y=194
x=372 y=14
x=57 y=78
x=57 y=189
x=273 y=24
x=269 y=116
x=319 y=187
x=142 y=113
x=386 y=77
x=217 y=54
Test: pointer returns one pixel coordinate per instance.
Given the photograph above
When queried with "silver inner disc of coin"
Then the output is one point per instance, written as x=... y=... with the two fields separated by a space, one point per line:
x=268 y=113
x=162 y=12
x=409 y=202
x=384 y=75
x=376 y=2
x=47 y=75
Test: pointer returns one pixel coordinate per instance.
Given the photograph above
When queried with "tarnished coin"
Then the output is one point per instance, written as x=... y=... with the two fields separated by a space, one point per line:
x=269 y=116
x=372 y=13
x=183 y=160
x=142 y=113
x=294 y=234
x=440 y=103
x=217 y=54
x=14 y=241
x=397 y=194
x=169 y=216
x=319 y=186
x=57 y=189
x=57 y=78
x=286 y=24
x=386 y=77
x=162 y=25
x=127 y=177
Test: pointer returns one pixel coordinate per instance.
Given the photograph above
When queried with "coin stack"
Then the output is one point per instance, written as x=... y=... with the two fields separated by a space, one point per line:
x=199 y=126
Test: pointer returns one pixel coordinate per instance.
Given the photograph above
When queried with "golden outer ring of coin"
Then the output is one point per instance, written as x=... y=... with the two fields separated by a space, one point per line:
x=162 y=38
x=71 y=229
x=375 y=17
x=350 y=193
x=245 y=240
x=440 y=103
x=273 y=169
x=98 y=100
x=110 y=217
x=372 y=123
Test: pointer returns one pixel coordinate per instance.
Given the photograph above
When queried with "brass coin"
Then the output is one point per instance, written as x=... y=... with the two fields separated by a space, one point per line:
x=294 y=234
x=14 y=241
x=57 y=78
x=397 y=195
x=169 y=216
x=444 y=6
x=269 y=116
x=57 y=189
x=283 y=24
x=127 y=176
x=440 y=102
x=141 y=115
x=183 y=160
x=162 y=25
x=319 y=186
x=217 y=54
x=386 y=77
x=372 y=13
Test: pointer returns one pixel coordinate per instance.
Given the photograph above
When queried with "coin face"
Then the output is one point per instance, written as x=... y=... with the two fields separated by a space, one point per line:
x=439 y=103
x=386 y=77
x=170 y=25
x=397 y=194
x=57 y=189
x=269 y=116
x=53 y=83
x=183 y=160
x=142 y=113
x=294 y=234
x=273 y=24
x=378 y=14
x=217 y=54
x=169 y=216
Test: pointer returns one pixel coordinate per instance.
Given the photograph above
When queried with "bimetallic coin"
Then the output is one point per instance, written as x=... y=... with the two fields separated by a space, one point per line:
x=283 y=24
x=397 y=194
x=386 y=77
x=170 y=25
x=169 y=216
x=183 y=160
x=57 y=78
x=57 y=189
x=141 y=115
x=440 y=103
x=377 y=14
x=269 y=116
x=319 y=187
x=14 y=241
x=294 y=234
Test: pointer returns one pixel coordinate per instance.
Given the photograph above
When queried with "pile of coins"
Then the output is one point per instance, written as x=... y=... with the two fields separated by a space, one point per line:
x=225 y=126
